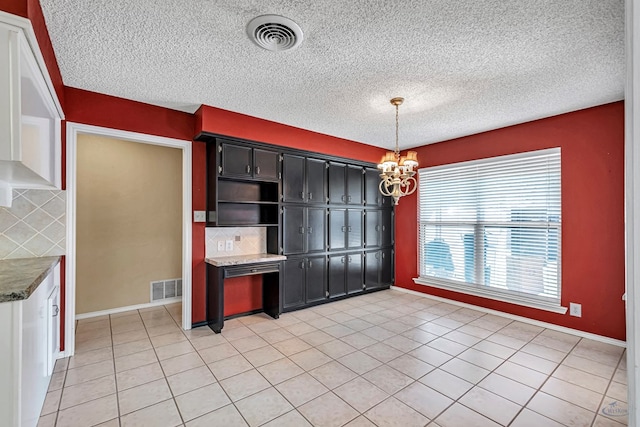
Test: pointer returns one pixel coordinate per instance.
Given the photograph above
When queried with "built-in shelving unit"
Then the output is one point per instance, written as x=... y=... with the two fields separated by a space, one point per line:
x=324 y=213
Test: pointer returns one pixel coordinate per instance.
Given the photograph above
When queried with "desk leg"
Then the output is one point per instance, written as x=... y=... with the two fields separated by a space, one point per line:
x=215 y=298
x=271 y=294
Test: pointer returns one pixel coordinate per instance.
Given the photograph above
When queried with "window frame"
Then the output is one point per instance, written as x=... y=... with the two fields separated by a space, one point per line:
x=479 y=227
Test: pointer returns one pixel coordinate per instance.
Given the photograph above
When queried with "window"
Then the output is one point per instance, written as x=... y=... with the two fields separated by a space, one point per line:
x=491 y=227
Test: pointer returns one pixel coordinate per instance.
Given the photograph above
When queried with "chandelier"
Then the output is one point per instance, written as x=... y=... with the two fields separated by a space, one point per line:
x=397 y=172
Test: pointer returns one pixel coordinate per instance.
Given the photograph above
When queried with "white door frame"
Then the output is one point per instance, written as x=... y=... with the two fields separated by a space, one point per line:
x=73 y=130
x=632 y=206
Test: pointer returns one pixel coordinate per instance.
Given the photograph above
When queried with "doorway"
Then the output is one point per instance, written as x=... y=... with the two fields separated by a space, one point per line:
x=74 y=131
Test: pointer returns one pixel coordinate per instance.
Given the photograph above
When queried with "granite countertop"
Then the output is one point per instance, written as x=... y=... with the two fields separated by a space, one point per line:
x=19 y=278
x=224 y=261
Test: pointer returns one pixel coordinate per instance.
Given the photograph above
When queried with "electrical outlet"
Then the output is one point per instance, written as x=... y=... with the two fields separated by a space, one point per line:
x=575 y=309
x=229 y=246
x=220 y=246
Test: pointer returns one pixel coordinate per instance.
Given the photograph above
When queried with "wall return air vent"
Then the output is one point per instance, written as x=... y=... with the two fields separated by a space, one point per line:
x=274 y=32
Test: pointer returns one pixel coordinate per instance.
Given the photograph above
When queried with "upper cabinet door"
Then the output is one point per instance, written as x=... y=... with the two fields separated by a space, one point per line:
x=372 y=195
x=354 y=185
x=316 y=229
x=293 y=230
x=316 y=181
x=236 y=160
x=266 y=165
x=293 y=178
x=337 y=183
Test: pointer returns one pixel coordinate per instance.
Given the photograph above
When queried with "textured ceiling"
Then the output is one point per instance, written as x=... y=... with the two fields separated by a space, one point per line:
x=464 y=66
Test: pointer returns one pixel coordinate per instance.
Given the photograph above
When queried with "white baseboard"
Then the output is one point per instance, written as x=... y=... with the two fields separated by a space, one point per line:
x=127 y=308
x=522 y=319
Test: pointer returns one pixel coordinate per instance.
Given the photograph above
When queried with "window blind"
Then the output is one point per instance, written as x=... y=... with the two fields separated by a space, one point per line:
x=493 y=225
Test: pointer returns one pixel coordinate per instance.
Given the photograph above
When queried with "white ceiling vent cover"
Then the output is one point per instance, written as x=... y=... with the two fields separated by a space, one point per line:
x=274 y=32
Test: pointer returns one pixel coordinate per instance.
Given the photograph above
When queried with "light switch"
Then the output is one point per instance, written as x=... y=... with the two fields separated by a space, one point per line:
x=199 y=216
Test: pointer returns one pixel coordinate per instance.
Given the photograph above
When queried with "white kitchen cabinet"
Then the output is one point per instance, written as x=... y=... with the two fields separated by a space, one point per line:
x=30 y=113
x=28 y=344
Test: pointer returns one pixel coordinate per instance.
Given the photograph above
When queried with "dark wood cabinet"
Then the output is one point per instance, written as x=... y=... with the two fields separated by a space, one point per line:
x=323 y=212
x=387 y=231
x=303 y=229
x=337 y=279
x=266 y=164
x=303 y=180
x=378 y=270
x=345 y=184
x=241 y=161
x=372 y=195
x=345 y=274
x=372 y=228
x=354 y=185
x=235 y=160
x=345 y=229
x=304 y=281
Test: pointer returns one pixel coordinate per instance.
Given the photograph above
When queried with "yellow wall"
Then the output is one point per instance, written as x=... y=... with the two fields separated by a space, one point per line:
x=129 y=213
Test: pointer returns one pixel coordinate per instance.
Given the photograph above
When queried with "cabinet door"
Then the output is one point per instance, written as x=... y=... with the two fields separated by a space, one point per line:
x=316 y=181
x=387 y=227
x=372 y=261
x=236 y=160
x=372 y=195
x=372 y=228
x=354 y=273
x=293 y=230
x=316 y=229
x=293 y=282
x=266 y=165
x=337 y=229
x=386 y=267
x=354 y=185
x=292 y=178
x=337 y=266
x=316 y=279
x=354 y=229
x=337 y=183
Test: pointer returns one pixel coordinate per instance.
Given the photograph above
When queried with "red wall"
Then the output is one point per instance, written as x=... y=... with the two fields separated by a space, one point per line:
x=223 y=122
x=592 y=144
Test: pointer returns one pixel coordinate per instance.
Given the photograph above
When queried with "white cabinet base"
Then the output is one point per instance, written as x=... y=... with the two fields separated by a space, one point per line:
x=27 y=349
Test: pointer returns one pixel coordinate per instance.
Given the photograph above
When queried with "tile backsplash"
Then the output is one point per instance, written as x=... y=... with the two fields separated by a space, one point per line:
x=34 y=225
x=246 y=240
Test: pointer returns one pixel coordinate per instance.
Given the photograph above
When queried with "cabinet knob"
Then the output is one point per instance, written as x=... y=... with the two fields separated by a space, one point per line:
x=349 y=199
x=343 y=198
x=302 y=195
x=310 y=230
x=377 y=228
x=56 y=310
x=302 y=265
x=301 y=230
x=257 y=170
x=310 y=196
x=254 y=270
x=248 y=168
x=310 y=264
x=342 y=260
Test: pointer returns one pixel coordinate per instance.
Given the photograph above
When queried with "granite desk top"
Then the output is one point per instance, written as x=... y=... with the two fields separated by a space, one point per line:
x=19 y=278
x=225 y=261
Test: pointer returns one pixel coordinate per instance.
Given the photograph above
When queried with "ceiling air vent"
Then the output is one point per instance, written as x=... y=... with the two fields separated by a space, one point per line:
x=274 y=32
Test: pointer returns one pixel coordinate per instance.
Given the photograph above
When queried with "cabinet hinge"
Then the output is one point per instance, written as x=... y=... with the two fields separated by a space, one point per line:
x=279 y=175
x=219 y=169
x=281 y=157
x=281 y=210
x=364 y=172
x=219 y=148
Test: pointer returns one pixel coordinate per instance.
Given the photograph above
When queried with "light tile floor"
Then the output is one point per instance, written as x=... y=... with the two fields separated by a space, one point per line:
x=382 y=359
